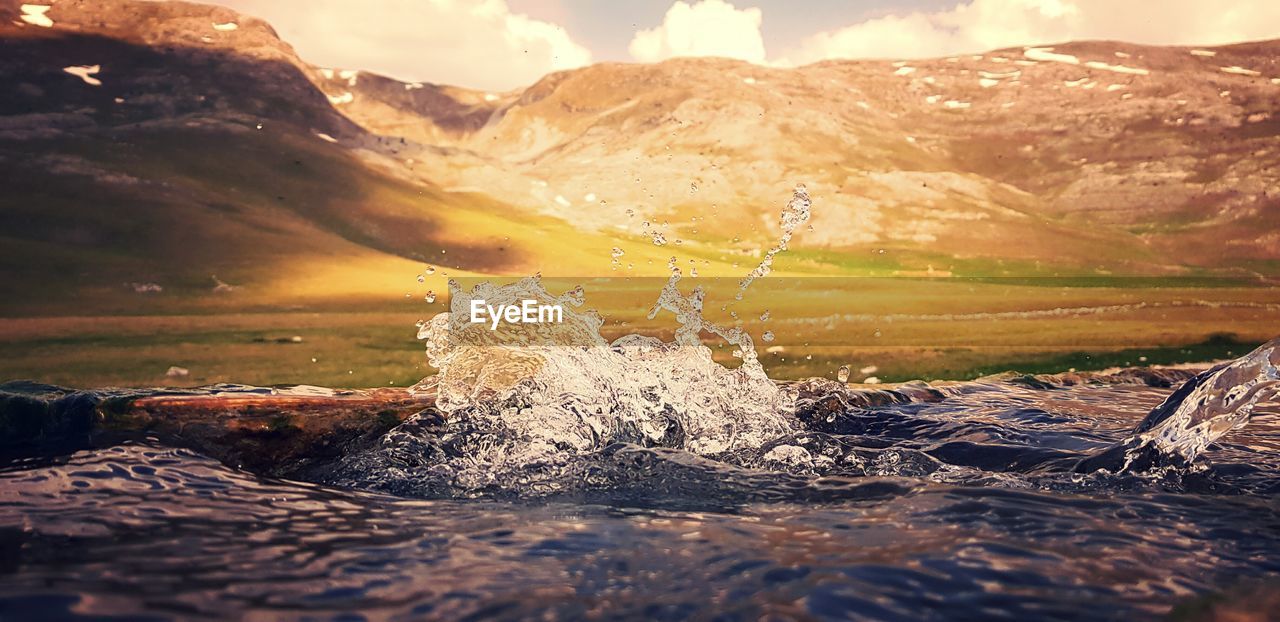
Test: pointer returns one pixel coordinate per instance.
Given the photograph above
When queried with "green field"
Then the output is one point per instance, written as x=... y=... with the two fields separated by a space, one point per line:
x=904 y=328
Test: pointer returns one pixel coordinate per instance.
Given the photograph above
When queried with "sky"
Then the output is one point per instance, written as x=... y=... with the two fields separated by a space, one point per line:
x=499 y=45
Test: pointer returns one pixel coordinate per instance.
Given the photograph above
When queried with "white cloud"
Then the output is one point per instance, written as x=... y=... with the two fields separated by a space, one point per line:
x=706 y=28
x=981 y=25
x=474 y=43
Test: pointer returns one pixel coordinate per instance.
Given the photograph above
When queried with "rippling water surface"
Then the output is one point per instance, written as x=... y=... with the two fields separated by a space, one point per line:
x=936 y=507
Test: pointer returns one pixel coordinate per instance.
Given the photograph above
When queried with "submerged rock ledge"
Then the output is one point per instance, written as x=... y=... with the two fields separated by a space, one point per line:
x=278 y=432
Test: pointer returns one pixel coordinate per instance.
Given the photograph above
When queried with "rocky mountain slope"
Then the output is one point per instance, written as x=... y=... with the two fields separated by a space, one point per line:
x=1039 y=153
x=166 y=141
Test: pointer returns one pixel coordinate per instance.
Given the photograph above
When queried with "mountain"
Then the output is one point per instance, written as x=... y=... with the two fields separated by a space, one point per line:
x=187 y=147
x=1131 y=155
x=170 y=143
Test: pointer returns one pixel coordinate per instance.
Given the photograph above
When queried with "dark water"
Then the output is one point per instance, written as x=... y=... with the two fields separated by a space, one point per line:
x=944 y=506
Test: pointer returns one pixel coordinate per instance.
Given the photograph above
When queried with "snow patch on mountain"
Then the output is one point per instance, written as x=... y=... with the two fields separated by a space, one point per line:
x=1137 y=71
x=1049 y=56
x=35 y=14
x=1240 y=71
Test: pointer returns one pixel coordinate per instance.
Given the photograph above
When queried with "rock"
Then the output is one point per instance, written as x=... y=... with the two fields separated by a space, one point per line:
x=275 y=432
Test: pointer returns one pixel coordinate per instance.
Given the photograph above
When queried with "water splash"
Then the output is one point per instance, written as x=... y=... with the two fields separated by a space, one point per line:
x=517 y=404
x=1200 y=412
x=795 y=214
x=688 y=309
x=1213 y=403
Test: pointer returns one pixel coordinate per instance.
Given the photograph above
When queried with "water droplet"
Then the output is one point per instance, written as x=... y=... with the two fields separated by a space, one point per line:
x=422 y=279
x=429 y=271
x=616 y=253
x=843 y=374
x=764 y=317
x=431 y=297
x=767 y=336
x=693 y=187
